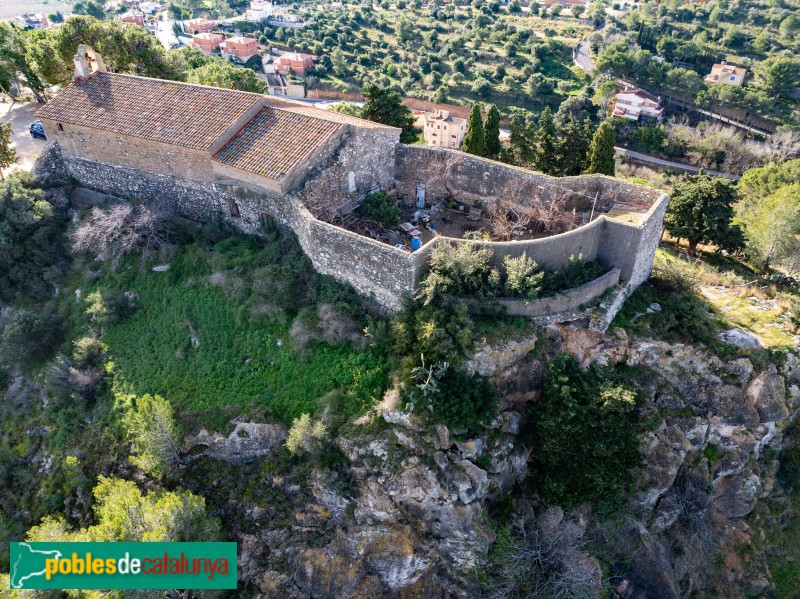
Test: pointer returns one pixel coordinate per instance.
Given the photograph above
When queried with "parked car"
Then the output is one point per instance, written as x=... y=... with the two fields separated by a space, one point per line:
x=37 y=130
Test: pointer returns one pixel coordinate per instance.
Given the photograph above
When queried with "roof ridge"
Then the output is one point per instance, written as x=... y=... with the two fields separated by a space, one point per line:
x=186 y=83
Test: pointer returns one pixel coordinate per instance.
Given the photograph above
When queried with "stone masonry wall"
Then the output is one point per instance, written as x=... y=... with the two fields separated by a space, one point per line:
x=150 y=156
x=473 y=179
x=373 y=268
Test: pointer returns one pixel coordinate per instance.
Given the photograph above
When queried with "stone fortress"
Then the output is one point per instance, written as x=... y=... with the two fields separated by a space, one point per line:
x=209 y=151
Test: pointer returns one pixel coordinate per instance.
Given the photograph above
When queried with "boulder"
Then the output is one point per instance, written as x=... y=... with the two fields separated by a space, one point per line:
x=767 y=393
x=735 y=496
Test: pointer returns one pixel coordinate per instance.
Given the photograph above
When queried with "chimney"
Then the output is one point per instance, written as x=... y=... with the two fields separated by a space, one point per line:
x=215 y=84
x=81 y=65
x=233 y=85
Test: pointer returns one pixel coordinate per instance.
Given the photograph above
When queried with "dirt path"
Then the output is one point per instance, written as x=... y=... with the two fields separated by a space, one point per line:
x=20 y=115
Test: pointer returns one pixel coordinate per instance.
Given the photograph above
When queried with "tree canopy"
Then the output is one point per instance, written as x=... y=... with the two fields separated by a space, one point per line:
x=601 y=150
x=701 y=210
x=31 y=238
x=384 y=105
x=491 y=131
x=474 y=141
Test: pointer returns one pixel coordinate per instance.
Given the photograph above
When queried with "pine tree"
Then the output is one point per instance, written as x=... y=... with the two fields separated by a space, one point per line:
x=544 y=156
x=384 y=105
x=8 y=155
x=474 y=140
x=601 y=152
x=491 y=132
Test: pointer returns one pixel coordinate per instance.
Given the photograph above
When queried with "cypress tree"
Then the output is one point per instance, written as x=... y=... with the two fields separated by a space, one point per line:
x=601 y=152
x=544 y=157
x=574 y=139
x=491 y=132
x=474 y=140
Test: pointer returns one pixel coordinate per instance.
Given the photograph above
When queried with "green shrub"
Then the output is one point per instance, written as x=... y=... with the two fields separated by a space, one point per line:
x=107 y=307
x=463 y=401
x=459 y=269
x=382 y=207
x=86 y=352
x=439 y=334
x=523 y=277
x=30 y=338
x=585 y=433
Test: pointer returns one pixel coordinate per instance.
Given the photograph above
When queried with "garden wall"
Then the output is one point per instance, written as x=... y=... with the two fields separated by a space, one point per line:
x=566 y=305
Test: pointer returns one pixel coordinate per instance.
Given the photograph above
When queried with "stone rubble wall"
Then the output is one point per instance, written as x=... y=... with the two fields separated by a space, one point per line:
x=473 y=179
x=373 y=268
x=566 y=302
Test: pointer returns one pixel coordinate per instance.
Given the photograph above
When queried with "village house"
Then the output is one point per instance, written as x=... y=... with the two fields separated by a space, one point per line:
x=239 y=48
x=549 y=3
x=726 y=73
x=207 y=42
x=634 y=103
x=294 y=62
x=149 y=8
x=201 y=26
x=34 y=21
x=281 y=85
x=134 y=17
x=440 y=129
x=258 y=12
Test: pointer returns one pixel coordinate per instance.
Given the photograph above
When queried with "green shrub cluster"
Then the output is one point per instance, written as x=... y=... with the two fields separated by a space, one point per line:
x=585 y=432
x=32 y=253
x=464 y=402
x=382 y=207
x=464 y=269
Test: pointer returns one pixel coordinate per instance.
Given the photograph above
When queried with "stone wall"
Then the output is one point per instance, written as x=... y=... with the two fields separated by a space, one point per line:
x=373 y=268
x=153 y=172
x=142 y=154
x=565 y=303
x=448 y=173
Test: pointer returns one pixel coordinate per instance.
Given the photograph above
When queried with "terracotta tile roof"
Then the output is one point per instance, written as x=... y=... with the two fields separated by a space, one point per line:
x=275 y=141
x=169 y=112
x=336 y=117
x=641 y=93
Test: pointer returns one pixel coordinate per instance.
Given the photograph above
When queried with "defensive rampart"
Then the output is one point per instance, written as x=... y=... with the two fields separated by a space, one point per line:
x=374 y=268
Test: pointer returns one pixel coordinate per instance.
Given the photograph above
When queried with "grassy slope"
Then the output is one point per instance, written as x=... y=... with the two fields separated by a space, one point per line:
x=242 y=361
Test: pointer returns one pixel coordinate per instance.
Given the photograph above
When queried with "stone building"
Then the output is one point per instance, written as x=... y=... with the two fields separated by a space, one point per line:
x=440 y=129
x=246 y=157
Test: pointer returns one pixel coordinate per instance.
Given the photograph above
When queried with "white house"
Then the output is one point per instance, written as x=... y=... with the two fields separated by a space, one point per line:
x=635 y=103
x=258 y=12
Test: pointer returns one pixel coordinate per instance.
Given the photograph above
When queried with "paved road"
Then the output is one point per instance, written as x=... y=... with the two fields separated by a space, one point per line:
x=20 y=115
x=582 y=58
x=165 y=34
x=678 y=166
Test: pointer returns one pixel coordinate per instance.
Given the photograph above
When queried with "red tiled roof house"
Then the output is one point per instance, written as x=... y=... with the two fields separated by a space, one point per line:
x=207 y=42
x=294 y=62
x=241 y=49
x=201 y=26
